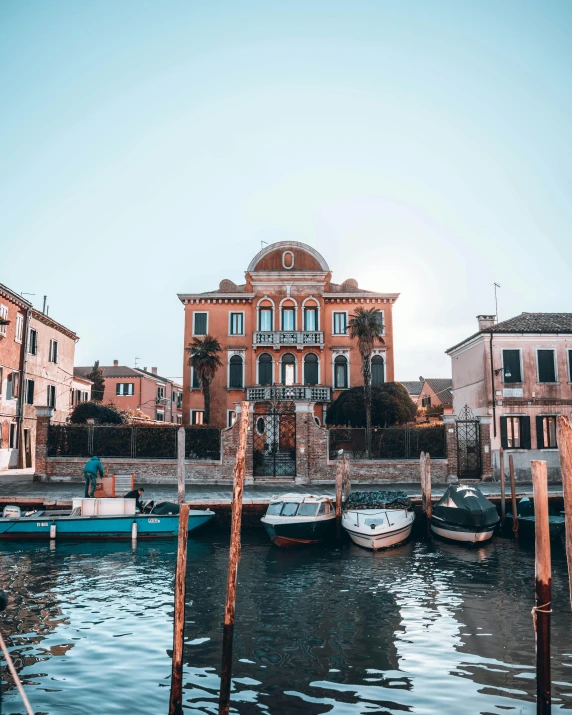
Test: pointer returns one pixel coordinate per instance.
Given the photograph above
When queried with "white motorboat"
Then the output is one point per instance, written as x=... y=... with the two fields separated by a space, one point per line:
x=378 y=520
x=295 y=519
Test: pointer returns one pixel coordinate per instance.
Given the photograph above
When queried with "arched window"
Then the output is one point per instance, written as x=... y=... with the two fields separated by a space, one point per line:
x=265 y=369
x=377 y=370
x=340 y=372
x=288 y=369
x=311 y=369
x=235 y=373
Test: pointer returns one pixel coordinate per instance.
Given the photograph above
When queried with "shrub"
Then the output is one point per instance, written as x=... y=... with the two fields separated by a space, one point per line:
x=102 y=414
x=390 y=405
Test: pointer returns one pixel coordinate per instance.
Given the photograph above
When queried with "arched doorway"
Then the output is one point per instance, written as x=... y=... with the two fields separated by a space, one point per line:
x=274 y=439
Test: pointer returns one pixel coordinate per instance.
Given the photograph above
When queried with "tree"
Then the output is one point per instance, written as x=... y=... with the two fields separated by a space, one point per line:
x=102 y=414
x=366 y=326
x=390 y=405
x=97 y=382
x=203 y=357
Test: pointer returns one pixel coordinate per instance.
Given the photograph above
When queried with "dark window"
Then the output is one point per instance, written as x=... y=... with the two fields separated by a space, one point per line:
x=125 y=388
x=51 y=396
x=377 y=370
x=13 y=443
x=265 y=369
x=265 y=319
x=53 y=356
x=340 y=325
x=197 y=417
x=236 y=324
x=426 y=401
x=200 y=324
x=288 y=319
x=340 y=372
x=310 y=319
x=511 y=366
x=569 y=365
x=196 y=383
x=235 y=373
x=311 y=369
x=29 y=395
x=546 y=432
x=515 y=432
x=288 y=369
x=160 y=416
x=33 y=342
x=546 y=366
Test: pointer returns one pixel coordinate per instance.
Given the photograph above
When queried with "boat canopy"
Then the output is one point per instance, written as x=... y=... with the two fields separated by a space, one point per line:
x=466 y=505
x=380 y=499
x=299 y=498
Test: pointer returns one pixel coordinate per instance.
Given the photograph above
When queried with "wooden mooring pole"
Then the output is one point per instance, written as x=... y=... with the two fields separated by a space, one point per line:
x=565 y=447
x=513 y=497
x=422 y=476
x=234 y=558
x=543 y=576
x=347 y=486
x=340 y=467
x=181 y=463
x=502 y=489
x=176 y=698
x=428 y=491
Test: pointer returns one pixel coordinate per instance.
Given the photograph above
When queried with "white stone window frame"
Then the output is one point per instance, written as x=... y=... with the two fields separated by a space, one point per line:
x=284 y=254
x=521 y=367
x=272 y=363
x=295 y=308
x=53 y=352
x=381 y=352
x=191 y=388
x=201 y=335
x=19 y=330
x=303 y=362
x=4 y=316
x=334 y=334
x=317 y=305
x=229 y=419
x=230 y=333
x=335 y=354
x=555 y=357
x=229 y=355
x=193 y=412
x=265 y=307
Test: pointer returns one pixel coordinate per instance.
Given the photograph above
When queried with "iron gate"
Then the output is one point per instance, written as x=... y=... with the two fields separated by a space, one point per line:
x=468 y=445
x=274 y=440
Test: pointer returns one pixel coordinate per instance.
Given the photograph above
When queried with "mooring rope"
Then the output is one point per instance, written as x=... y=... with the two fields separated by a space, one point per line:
x=15 y=676
x=540 y=609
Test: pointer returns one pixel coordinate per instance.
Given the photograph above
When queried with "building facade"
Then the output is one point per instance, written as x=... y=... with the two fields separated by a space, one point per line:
x=140 y=392
x=285 y=326
x=519 y=372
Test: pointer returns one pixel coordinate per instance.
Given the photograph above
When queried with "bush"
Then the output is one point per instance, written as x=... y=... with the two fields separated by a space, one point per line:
x=102 y=414
x=390 y=405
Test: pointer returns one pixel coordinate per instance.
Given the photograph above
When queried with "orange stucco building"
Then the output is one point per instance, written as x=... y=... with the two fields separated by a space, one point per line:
x=285 y=326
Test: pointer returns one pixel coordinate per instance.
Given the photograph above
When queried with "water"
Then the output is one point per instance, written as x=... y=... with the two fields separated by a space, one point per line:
x=417 y=629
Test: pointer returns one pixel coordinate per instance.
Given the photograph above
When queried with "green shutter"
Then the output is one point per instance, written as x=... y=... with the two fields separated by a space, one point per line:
x=539 y=433
x=546 y=369
x=503 y=433
x=525 y=432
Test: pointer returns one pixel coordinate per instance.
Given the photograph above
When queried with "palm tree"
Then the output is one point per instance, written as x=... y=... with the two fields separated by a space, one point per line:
x=366 y=325
x=203 y=357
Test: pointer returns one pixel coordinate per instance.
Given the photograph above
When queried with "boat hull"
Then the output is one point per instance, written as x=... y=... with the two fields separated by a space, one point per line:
x=467 y=536
x=149 y=526
x=526 y=526
x=358 y=525
x=298 y=533
x=383 y=541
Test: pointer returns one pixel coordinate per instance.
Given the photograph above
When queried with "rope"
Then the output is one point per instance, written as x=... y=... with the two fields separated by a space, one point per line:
x=540 y=609
x=15 y=676
x=515 y=525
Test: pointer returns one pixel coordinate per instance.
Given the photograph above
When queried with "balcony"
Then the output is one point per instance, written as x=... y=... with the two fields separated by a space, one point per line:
x=299 y=338
x=292 y=393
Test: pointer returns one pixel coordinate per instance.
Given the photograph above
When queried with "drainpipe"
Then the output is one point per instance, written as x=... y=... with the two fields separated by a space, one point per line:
x=23 y=361
x=493 y=385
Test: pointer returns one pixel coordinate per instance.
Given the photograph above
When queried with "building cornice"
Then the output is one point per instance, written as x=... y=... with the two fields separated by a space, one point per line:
x=46 y=320
x=8 y=294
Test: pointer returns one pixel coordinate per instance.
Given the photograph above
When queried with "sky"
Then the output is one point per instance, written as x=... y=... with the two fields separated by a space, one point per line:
x=149 y=147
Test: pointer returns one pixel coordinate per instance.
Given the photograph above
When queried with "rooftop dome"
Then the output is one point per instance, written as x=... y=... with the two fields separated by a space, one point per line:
x=288 y=256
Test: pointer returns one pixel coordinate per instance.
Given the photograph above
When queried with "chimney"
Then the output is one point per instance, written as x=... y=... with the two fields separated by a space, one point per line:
x=154 y=370
x=115 y=363
x=486 y=321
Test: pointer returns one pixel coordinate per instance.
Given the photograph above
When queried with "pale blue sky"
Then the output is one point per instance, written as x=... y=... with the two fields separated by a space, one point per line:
x=148 y=148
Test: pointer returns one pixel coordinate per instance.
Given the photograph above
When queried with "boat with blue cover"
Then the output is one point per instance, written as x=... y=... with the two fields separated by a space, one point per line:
x=526 y=520
x=98 y=519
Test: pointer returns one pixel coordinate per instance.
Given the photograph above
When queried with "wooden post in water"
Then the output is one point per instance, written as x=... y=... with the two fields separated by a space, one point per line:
x=565 y=447
x=428 y=491
x=339 y=491
x=234 y=558
x=176 y=699
x=422 y=464
x=181 y=463
x=513 y=497
x=347 y=486
x=502 y=489
x=543 y=574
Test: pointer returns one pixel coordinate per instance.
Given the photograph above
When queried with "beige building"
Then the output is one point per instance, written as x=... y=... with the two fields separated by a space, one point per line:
x=519 y=372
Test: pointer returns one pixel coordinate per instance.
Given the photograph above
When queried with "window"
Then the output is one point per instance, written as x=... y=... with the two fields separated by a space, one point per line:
x=160 y=392
x=125 y=388
x=288 y=369
x=160 y=416
x=265 y=369
x=19 y=328
x=377 y=370
x=288 y=319
x=230 y=418
x=197 y=417
x=546 y=432
x=13 y=386
x=340 y=323
x=33 y=342
x=426 y=401
x=29 y=392
x=235 y=373
x=72 y=395
x=237 y=323
x=310 y=509
x=200 y=324
x=195 y=382
x=310 y=319
x=3 y=317
x=311 y=369
x=341 y=372
x=511 y=366
x=569 y=365
x=265 y=319
x=53 y=356
x=1 y=387
x=546 y=366
x=515 y=432
x=85 y=396
x=52 y=396
x=13 y=443
x=179 y=400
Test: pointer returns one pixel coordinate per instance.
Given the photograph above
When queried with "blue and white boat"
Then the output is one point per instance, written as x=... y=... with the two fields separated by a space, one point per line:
x=96 y=519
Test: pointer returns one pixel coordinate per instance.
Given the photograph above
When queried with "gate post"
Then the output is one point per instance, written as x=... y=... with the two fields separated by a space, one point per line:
x=485 y=432
x=304 y=425
x=451 y=441
x=43 y=417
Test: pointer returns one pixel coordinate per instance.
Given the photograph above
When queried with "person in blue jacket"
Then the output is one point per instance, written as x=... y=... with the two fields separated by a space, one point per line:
x=92 y=468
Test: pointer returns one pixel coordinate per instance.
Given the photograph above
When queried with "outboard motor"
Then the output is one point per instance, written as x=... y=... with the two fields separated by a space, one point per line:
x=11 y=512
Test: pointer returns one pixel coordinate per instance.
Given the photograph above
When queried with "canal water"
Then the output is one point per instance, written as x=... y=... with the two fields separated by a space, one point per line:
x=422 y=628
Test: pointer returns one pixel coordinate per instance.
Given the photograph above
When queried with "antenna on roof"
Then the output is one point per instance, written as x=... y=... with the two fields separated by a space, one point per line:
x=137 y=358
x=496 y=285
x=262 y=244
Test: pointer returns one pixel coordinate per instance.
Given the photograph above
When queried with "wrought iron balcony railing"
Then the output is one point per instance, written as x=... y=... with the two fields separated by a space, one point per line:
x=288 y=337
x=314 y=393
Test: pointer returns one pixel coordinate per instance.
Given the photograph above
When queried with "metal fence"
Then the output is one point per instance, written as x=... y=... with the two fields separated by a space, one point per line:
x=389 y=442
x=201 y=443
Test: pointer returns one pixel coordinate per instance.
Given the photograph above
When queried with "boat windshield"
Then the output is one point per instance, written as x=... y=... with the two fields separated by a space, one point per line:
x=310 y=509
x=289 y=509
x=275 y=508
